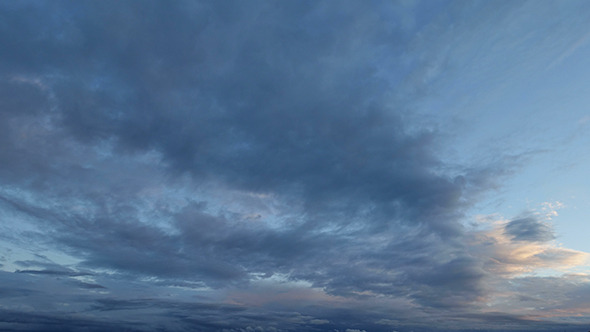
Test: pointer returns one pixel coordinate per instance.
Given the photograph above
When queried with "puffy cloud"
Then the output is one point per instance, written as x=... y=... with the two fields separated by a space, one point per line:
x=311 y=129
x=522 y=246
x=529 y=229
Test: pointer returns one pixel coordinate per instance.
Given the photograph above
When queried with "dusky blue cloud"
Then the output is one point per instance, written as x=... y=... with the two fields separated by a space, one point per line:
x=135 y=135
x=529 y=229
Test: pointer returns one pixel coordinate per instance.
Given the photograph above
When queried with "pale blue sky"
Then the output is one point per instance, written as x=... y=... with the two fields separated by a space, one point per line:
x=510 y=81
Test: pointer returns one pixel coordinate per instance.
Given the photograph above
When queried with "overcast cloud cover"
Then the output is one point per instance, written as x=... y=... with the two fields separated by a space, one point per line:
x=293 y=165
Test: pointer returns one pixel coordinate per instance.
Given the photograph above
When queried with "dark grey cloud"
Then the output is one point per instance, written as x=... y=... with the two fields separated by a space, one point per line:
x=276 y=105
x=55 y=273
x=282 y=104
x=529 y=229
x=23 y=321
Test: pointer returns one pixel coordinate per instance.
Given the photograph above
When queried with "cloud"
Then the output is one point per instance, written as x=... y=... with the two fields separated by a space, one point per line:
x=255 y=115
x=529 y=229
x=520 y=246
x=57 y=273
x=242 y=167
x=257 y=132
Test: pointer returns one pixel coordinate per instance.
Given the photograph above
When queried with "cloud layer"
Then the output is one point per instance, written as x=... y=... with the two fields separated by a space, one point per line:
x=231 y=166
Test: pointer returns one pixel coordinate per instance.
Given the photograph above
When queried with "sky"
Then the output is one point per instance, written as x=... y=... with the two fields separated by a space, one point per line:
x=342 y=166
